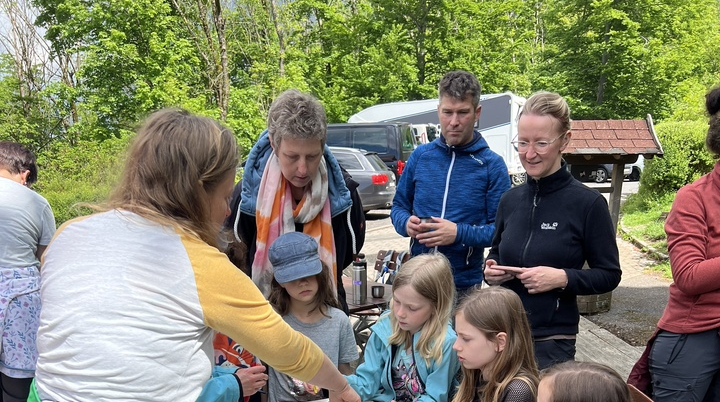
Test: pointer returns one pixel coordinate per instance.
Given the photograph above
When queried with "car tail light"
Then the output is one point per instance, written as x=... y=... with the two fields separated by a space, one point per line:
x=400 y=167
x=380 y=179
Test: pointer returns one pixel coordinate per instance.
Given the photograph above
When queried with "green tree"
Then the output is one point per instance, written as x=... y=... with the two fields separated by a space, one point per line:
x=494 y=39
x=133 y=60
x=619 y=59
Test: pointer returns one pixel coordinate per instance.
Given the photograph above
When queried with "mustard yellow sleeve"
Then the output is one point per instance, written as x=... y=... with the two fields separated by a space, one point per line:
x=233 y=305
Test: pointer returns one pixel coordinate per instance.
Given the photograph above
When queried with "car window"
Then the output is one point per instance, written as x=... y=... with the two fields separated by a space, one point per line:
x=407 y=139
x=370 y=139
x=431 y=133
x=376 y=162
x=348 y=161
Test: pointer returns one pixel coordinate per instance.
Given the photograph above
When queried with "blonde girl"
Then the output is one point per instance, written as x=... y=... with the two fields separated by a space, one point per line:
x=302 y=293
x=495 y=348
x=409 y=356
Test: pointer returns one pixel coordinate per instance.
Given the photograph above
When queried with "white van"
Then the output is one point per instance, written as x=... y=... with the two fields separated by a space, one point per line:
x=498 y=123
x=425 y=133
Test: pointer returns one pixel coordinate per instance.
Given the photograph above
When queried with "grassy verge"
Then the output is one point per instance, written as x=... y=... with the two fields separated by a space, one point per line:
x=644 y=220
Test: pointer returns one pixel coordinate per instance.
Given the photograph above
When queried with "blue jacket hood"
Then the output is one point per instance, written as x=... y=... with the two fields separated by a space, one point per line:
x=338 y=193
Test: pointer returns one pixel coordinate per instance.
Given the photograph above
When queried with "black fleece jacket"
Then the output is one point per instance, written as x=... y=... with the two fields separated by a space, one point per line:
x=557 y=222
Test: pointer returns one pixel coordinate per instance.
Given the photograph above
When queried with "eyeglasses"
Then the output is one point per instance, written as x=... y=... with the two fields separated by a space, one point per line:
x=540 y=147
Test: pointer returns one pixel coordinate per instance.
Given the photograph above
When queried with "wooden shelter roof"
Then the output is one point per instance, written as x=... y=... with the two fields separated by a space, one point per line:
x=612 y=141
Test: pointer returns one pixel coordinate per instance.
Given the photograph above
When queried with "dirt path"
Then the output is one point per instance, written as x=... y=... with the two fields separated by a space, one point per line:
x=639 y=300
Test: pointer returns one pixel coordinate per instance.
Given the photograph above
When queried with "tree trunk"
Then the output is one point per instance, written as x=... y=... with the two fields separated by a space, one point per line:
x=280 y=36
x=224 y=84
x=605 y=56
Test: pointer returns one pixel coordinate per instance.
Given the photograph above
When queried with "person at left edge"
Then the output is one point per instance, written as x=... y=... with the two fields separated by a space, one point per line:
x=292 y=182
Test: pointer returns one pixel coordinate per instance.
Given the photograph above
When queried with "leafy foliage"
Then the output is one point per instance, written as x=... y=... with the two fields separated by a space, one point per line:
x=84 y=173
x=610 y=58
x=685 y=159
x=613 y=59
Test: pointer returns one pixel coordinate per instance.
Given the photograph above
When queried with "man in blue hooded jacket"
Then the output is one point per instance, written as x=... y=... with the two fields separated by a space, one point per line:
x=450 y=188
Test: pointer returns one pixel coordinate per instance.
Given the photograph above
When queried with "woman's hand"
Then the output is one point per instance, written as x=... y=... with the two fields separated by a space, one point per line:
x=252 y=379
x=496 y=274
x=540 y=279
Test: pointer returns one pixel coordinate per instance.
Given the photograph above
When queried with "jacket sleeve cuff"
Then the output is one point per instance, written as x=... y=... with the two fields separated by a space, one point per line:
x=240 y=387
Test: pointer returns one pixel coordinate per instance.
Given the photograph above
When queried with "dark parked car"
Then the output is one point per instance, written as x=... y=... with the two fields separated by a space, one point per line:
x=392 y=141
x=377 y=181
x=596 y=173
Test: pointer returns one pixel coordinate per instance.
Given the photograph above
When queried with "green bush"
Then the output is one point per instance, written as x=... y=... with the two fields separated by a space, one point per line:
x=83 y=173
x=685 y=159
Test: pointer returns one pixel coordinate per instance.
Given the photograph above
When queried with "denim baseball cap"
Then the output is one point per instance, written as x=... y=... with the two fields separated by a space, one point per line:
x=293 y=256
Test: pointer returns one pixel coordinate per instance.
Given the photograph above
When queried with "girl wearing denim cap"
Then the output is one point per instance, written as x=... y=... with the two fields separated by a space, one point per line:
x=409 y=355
x=302 y=293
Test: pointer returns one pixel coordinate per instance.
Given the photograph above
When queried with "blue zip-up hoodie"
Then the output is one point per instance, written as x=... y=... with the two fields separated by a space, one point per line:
x=373 y=378
x=461 y=184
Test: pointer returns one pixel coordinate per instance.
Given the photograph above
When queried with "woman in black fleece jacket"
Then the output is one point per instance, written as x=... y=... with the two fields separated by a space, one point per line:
x=547 y=230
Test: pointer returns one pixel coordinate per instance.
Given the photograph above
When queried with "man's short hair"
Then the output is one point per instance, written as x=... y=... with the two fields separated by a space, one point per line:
x=15 y=158
x=459 y=85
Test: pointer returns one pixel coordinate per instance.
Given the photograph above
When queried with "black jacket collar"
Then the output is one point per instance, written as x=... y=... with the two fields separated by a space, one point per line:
x=552 y=183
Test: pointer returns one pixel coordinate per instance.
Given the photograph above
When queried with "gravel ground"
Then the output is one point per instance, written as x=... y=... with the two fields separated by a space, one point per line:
x=639 y=300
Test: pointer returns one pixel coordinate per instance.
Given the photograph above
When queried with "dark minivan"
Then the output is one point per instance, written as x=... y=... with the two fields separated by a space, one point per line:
x=392 y=141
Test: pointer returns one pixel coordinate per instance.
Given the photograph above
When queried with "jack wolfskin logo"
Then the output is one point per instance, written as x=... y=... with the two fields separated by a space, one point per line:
x=477 y=160
x=549 y=226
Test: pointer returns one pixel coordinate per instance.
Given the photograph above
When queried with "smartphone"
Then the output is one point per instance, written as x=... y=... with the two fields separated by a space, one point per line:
x=425 y=219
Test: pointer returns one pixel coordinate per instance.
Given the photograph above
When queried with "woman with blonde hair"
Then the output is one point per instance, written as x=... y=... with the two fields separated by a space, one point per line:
x=131 y=295
x=547 y=229
x=409 y=356
x=495 y=349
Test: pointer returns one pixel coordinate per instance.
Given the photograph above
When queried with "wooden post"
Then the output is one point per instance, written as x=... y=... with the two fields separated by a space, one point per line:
x=617 y=179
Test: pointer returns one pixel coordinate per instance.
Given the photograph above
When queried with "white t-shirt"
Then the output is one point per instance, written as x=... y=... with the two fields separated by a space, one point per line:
x=27 y=221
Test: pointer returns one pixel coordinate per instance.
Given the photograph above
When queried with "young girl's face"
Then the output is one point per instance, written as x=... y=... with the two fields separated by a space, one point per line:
x=411 y=309
x=545 y=390
x=475 y=351
x=302 y=290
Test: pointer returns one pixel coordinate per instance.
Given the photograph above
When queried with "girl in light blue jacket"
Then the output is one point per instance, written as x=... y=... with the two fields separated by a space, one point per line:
x=409 y=355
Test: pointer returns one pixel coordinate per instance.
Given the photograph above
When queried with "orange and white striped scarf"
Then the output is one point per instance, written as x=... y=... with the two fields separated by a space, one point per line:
x=275 y=216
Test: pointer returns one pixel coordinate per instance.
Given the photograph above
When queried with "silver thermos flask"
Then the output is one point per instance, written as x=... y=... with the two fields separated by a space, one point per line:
x=359 y=279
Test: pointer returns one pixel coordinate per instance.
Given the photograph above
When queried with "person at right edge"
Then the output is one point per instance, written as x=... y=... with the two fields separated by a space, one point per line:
x=456 y=183
x=546 y=231
x=683 y=356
